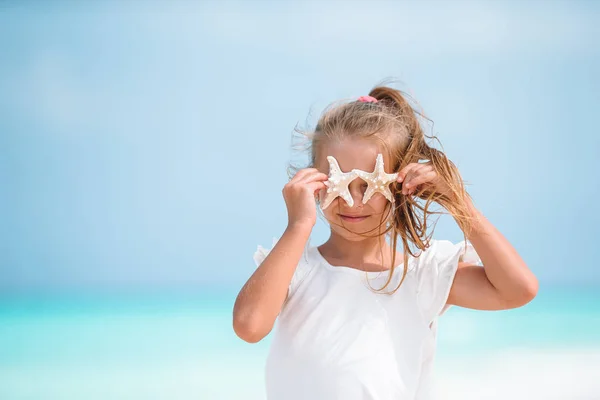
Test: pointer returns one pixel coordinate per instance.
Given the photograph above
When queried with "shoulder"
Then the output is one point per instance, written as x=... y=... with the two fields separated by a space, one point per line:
x=436 y=272
x=262 y=252
x=439 y=261
x=442 y=253
x=303 y=268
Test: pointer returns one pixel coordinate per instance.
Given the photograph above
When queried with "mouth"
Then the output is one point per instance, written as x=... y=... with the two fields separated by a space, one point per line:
x=351 y=218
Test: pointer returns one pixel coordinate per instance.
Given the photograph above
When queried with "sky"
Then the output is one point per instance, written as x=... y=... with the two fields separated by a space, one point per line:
x=143 y=145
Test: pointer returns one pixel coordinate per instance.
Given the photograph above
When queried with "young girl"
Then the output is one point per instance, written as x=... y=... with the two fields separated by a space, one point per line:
x=353 y=322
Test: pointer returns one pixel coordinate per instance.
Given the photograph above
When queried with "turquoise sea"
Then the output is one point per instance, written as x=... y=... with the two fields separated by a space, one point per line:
x=182 y=346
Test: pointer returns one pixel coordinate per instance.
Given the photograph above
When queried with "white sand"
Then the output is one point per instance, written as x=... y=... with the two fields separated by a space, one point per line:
x=519 y=374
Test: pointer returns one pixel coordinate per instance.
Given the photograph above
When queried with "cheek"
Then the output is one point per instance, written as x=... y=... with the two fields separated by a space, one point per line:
x=329 y=212
x=378 y=202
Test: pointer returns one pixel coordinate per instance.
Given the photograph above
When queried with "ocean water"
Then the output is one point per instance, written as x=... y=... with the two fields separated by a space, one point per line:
x=182 y=346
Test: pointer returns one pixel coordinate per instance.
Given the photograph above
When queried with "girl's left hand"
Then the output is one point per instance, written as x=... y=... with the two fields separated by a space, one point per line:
x=417 y=176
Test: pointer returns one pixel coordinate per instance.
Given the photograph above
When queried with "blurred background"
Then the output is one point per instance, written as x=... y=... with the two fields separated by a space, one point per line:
x=143 y=149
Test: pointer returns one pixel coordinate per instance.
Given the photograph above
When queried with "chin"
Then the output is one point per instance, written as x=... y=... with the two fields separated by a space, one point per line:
x=367 y=231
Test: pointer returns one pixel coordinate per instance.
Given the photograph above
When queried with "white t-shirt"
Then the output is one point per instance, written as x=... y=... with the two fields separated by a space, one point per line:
x=336 y=339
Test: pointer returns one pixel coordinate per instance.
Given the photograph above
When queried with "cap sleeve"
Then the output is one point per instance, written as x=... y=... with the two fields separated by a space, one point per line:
x=261 y=253
x=302 y=268
x=436 y=272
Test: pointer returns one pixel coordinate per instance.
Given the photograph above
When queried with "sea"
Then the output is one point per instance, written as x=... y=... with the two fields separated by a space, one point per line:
x=181 y=345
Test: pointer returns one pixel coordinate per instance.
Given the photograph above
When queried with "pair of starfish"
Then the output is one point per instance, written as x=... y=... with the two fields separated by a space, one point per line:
x=337 y=184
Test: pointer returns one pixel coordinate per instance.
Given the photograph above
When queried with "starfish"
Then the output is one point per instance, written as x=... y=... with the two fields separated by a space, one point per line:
x=337 y=184
x=378 y=180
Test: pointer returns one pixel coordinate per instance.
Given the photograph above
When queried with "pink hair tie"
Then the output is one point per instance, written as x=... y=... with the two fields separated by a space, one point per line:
x=367 y=99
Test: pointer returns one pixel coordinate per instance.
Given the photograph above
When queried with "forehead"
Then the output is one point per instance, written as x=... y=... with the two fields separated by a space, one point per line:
x=351 y=154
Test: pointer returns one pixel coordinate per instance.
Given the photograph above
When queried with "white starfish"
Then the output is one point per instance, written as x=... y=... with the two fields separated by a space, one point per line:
x=378 y=180
x=338 y=184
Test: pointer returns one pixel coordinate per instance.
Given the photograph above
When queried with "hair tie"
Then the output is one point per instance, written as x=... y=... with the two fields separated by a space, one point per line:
x=367 y=99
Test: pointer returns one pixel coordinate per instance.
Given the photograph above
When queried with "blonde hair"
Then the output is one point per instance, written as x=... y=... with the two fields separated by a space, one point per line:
x=394 y=123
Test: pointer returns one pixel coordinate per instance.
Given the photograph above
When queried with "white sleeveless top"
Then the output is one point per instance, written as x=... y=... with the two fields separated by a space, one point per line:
x=336 y=339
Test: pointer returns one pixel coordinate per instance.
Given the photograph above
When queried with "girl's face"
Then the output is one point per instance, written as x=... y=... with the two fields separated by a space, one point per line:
x=360 y=218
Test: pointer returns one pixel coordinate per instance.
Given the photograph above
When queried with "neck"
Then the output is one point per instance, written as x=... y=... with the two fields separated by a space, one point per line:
x=366 y=250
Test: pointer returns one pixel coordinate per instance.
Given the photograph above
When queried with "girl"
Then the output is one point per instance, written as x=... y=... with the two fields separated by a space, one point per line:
x=353 y=323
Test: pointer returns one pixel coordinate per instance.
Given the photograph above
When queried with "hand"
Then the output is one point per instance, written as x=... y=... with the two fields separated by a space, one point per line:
x=418 y=176
x=299 y=195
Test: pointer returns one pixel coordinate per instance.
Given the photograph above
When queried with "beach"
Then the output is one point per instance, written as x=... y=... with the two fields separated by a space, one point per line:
x=183 y=347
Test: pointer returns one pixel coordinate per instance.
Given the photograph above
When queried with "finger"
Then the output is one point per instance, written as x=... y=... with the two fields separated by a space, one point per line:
x=410 y=177
x=404 y=171
x=419 y=180
x=427 y=167
x=313 y=176
x=315 y=187
x=413 y=174
x=302 y=173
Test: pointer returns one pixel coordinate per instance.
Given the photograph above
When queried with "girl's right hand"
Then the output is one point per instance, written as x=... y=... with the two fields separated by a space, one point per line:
x=299 y=195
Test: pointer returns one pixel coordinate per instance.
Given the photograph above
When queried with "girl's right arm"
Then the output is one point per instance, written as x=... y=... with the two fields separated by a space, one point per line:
x=260 y=300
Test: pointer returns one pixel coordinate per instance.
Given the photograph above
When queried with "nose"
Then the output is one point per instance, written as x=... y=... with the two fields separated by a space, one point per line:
x=357 y=192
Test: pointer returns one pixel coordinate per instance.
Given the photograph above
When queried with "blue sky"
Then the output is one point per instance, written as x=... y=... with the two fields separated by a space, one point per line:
x=144 y=144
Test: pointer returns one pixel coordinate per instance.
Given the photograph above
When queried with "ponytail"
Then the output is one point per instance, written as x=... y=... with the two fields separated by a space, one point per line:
x=405 y=222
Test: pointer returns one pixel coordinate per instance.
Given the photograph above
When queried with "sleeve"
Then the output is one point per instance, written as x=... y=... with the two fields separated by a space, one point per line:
x=261 y=253
x=301 y=271
x=436 y=272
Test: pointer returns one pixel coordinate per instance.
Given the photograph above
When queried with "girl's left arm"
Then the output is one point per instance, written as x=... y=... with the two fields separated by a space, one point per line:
x=503 y=282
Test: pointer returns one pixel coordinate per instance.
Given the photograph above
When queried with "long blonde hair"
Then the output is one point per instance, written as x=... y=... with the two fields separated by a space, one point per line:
x=394 y=123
